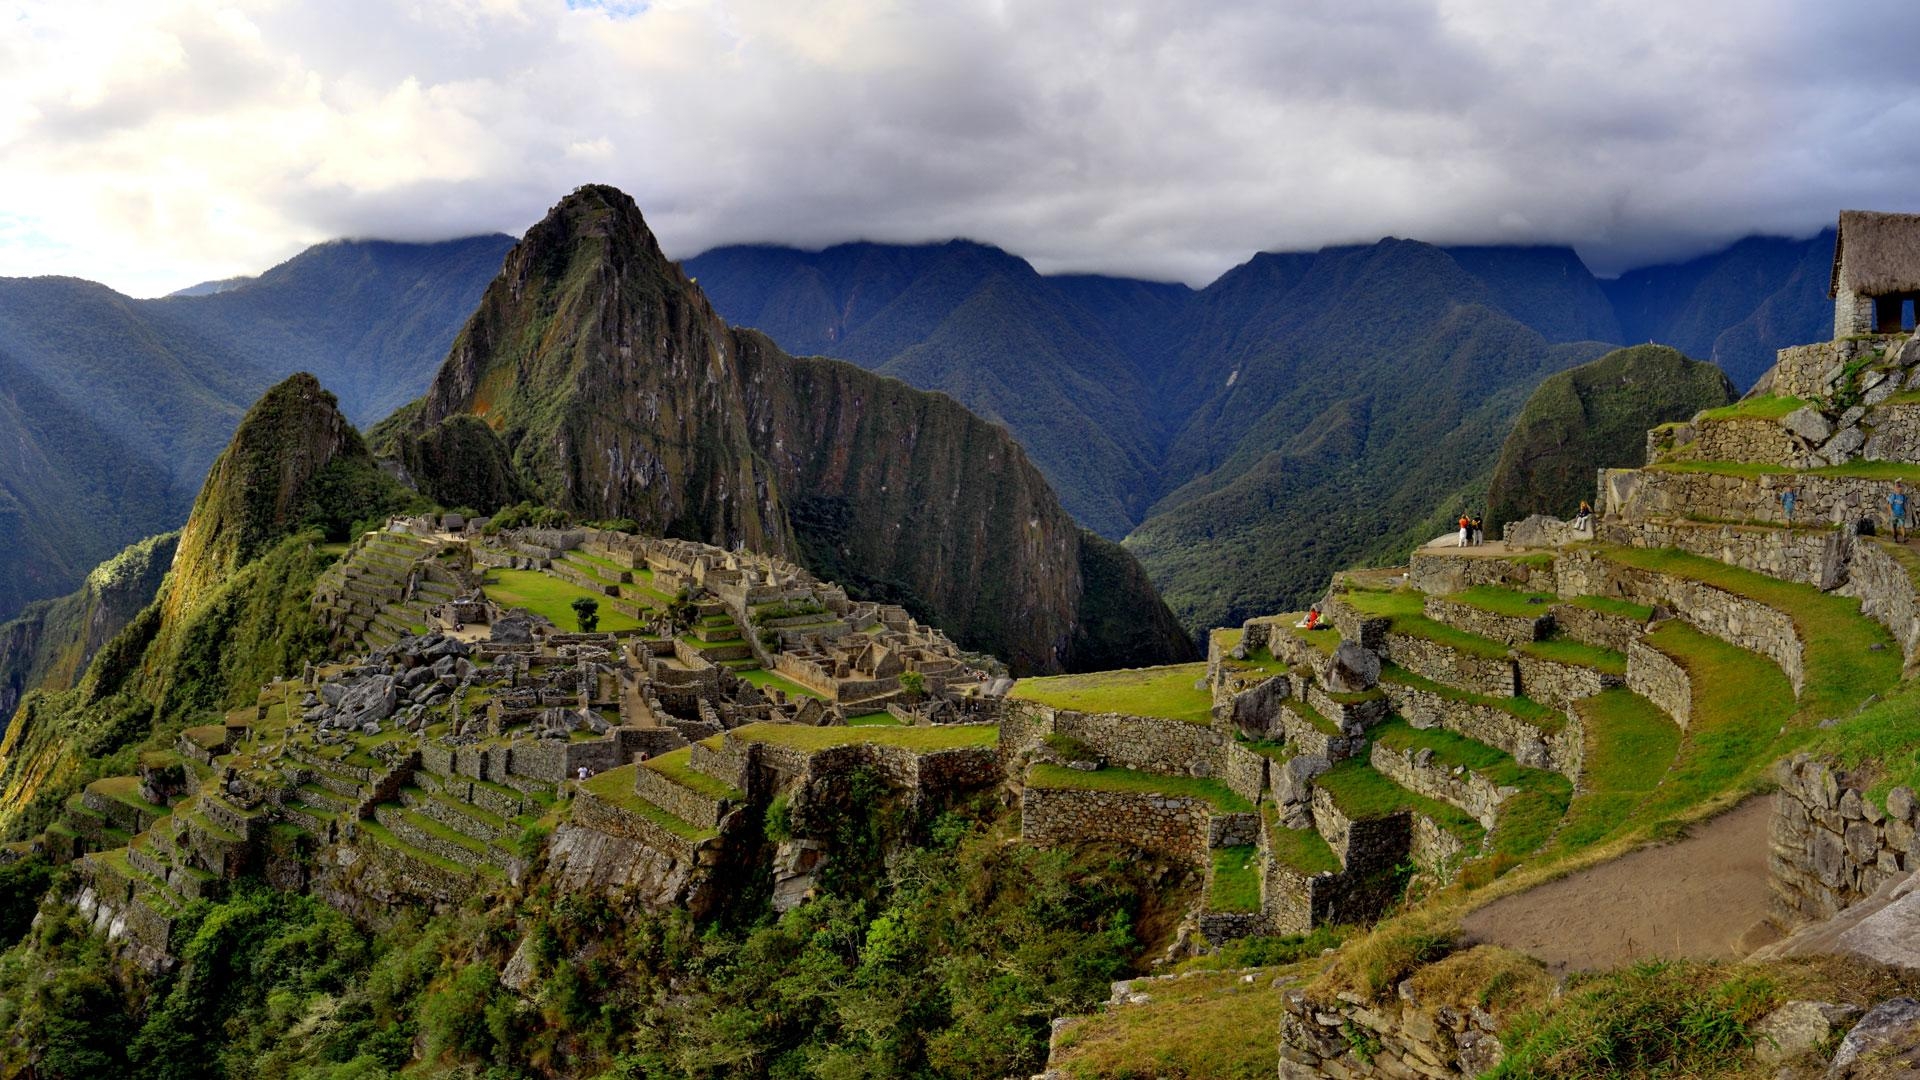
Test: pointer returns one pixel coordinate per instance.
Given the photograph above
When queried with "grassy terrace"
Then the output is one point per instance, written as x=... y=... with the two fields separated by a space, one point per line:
x=1885 y=737
x=382 y=835
x=1612 y=605
x=1527 y=710
x=1843 y=668
x=1741 y=704
x=800 y=737
x=615 y=786
x=551 y=598
x=1402 y=609
x=1578 y=653
x=1236 y=879
x=126 y=789
x=1364 y=794
x=1526 y=819
x=1129 y=781
x=1630 y=745
x=1304 y=850
x=1311 y=715
x=676 y=766
x=1770 y=407
x=1165 y=692
x=767 y=680
x=1510 y=602
x=874 y=719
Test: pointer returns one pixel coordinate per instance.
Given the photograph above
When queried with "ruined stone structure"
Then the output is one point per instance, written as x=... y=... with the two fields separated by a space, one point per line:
x=1876 y=271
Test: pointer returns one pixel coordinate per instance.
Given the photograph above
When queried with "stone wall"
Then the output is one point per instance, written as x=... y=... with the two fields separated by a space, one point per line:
x=1743 y=439
x=1551 y=682
x=1810 y=556
x=1644 y=494
x=1363 y=847
x=1512 y=629
x=1492 y=676
x=1467 y=790
x=1812 y=371
x=1595 y=627
x=1243 y=771
x=1894 y=433
x=1561 y=751
x=1887 y=593
x=1164 y=824
x=1147 y=743
x=1829 y=846
x=1399 y=1039
x=1655 y=676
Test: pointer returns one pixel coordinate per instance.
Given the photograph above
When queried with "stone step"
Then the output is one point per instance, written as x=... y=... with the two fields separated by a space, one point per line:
x=1535 y=735
x=433 y=837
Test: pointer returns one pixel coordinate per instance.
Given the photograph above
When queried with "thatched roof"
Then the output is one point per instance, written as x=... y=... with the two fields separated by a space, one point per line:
x=1882 y=253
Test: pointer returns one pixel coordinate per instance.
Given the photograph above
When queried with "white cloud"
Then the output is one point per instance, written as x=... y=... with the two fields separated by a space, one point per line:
x=150 y=144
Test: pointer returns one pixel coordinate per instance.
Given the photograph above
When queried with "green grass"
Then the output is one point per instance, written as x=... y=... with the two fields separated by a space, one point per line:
x=1201 y=1026
x=767 y=680
x=1613 y=605
x=1547 y=720
x=1761 y=408
x=1271 y=749
x=1165 y=692
x=615 y=786
x=1579 y=654
x=1363 y=794
x=677 y=766
x=1630 y=745
x=801 y=737
x=1304 y=850
x=1842 y=666
x=551 y=598
x=1236 y=879
x=1525 y=819
x=874 y=719
x=603 y=563
x=1060 y=777
x=382 y=835
x=1311 y=715
x=1741 y=703
x=1885 y=737
x=126 y=789
x=1510 y=602
x=1403 y=610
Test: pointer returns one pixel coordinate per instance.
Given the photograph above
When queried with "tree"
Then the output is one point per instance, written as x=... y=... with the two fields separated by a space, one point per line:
x=587 y=610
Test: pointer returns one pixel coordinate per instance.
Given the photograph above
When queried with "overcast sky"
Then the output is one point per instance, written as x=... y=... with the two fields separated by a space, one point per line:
x=154 y=143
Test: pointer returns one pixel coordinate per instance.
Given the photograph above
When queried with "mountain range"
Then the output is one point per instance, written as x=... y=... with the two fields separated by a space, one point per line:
x=1244 y=438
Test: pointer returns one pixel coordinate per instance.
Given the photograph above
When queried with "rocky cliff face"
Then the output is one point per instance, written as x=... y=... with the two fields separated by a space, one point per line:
x=616 y=391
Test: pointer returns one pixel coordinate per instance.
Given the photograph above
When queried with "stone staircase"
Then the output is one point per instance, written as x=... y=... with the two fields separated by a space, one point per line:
x=366 y=599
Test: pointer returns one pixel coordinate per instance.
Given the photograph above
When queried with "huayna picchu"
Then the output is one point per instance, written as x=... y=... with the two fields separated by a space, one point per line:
x=605 y=773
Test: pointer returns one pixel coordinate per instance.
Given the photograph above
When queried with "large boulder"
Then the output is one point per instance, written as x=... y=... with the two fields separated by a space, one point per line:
x=1797 y=1027
x=1808 y=423
x=1352 y=670
x=1884 y=1045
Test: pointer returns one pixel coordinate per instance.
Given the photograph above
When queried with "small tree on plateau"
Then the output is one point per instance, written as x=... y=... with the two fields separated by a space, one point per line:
x=587 y=611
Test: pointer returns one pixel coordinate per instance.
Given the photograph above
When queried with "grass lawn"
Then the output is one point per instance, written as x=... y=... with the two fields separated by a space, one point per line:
x=874 y=719
x=1403 y=610
x=1769 y=407
x=767 y=680
x=1842 y=667
x=1364 y=794
x=1236 y=879
x=1202 y=1026
x=676 y=766
x=1511 y=602
x=1578 y=653
x=1143 y=783
x=615 y=786
x=550 y=598
x=1304 y=850
x=1853 y=470
x=801 y=737
x=602 y=563
x=1630 y=745
x=1741 y=703
x=1526 y=819
x=1311 y=715
x=1887 y=734
x=1166 y=692
x=126 y=789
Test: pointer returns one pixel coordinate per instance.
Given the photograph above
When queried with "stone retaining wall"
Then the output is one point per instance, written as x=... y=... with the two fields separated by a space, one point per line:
x=1810 y=556
x=1511 y=629
x=1596 y=627
x=1363 y=847
x=1551 y=682
x=1743 y=438
x=1468 y=790
x=1164 y=824
x=1657 y=677
x=1646 y=494
x=684 y=803
x=1398 y=1039
x=1492 y=676
x=1887 y=593
x=1146 y=743
x=1244 y=771
x=1439 y=572
x=1561 y=751
x=1829 y=846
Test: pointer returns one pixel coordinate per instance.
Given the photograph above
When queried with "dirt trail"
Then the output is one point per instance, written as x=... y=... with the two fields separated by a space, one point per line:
x=1704 y=897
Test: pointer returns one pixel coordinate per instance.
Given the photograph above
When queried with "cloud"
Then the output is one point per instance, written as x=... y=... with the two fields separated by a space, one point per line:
x=149 y=145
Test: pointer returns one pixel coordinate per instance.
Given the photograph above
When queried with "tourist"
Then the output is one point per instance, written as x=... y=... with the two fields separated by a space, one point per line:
x=1787 y=499
x=1583 y=520
x=1466 y=528
x=1479 y=533
x=1310 y=621
x=583 y=774
x=1897 y=508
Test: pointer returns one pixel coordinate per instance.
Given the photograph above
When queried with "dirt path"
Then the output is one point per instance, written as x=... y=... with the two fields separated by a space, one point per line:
x=1704 y=897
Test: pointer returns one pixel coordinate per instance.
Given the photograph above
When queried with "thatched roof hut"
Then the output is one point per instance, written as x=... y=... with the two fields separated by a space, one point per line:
x=1880 y=253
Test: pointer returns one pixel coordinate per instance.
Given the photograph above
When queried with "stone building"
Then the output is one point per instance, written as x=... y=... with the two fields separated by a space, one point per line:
x=1876 y=271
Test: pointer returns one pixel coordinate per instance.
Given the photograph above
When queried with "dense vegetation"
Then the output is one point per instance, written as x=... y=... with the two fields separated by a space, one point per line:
x=934 y=948
x=1594 y=416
